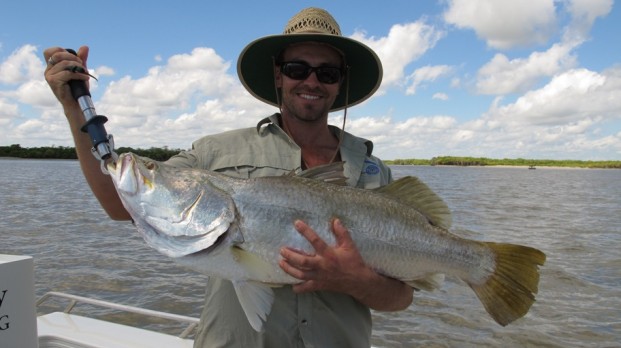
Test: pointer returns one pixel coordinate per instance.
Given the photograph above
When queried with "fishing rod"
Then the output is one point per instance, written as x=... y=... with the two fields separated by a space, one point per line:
x=103 y=143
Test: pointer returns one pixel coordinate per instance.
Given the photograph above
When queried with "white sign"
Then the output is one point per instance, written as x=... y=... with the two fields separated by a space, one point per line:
x=18 y=317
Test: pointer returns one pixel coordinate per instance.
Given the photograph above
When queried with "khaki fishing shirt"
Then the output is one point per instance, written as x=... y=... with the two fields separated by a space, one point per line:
x=317 y=319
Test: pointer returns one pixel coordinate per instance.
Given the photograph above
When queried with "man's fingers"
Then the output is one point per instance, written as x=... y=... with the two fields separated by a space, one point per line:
x=313 y=238
x=295 y=271
x=341 y=233
x=297 y=258
x=290 y=270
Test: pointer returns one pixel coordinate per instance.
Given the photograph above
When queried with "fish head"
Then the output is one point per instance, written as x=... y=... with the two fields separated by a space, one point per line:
x=142 y=185
x=177 y=210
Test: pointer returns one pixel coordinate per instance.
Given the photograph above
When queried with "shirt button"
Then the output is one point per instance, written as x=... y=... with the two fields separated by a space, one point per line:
x=304 y=322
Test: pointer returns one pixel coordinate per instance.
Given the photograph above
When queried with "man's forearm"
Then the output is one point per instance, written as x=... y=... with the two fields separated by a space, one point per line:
x=100 y=183
x=382 y=293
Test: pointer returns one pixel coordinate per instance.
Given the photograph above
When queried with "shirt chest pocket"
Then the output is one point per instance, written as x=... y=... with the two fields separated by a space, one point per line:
x=251 y=171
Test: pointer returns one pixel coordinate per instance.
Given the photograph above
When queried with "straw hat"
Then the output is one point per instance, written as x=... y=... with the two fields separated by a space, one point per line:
x=255 y=65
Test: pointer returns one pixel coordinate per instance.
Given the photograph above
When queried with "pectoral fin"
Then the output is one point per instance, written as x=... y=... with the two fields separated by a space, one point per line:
x=256 y=300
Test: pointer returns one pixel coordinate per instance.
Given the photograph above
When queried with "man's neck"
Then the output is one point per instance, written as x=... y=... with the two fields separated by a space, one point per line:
x=319 y=146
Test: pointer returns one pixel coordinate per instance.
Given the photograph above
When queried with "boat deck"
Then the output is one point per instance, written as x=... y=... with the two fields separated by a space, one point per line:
x=63 y=329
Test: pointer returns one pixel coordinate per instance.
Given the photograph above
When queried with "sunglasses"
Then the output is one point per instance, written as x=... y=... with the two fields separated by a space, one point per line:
x=301 y=71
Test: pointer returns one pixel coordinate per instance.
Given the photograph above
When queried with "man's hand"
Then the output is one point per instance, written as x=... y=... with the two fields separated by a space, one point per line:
x=57 y=74
x=340 y=268
x=333 y=268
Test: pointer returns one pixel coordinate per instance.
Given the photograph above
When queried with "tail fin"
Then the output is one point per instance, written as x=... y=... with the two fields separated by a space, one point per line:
x=510 y=291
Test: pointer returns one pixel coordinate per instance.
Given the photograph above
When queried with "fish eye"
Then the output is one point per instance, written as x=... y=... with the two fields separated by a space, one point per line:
x=150 y=165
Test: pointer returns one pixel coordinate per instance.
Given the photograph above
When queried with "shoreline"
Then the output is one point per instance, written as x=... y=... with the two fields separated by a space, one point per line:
x=390 y=164
x=503 y=166
x=37 y=159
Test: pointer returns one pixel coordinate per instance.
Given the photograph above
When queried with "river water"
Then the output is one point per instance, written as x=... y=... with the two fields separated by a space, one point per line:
x=573 y=215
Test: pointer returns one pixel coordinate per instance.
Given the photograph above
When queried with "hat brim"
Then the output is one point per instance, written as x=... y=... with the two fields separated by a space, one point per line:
x=255 y=67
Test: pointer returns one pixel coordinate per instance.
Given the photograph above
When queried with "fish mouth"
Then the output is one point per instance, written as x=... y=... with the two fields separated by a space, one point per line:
x=118 y=167
x=127 y=163
x=122 y=173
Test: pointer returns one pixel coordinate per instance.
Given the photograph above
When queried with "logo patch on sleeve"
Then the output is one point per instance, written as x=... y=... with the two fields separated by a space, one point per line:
x=370 y=168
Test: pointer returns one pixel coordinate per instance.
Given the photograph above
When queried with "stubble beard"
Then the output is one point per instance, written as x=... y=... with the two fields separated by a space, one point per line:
x=303 y=112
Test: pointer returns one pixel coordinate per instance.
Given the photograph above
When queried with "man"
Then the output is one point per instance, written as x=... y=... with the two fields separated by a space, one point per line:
x=307 y=72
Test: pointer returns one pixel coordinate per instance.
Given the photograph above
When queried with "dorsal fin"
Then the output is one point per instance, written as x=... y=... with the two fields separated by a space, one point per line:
x=413 y=192
x=332 y=173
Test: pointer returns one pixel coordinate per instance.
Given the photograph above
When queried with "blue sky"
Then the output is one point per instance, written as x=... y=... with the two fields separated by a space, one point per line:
x=492 y=78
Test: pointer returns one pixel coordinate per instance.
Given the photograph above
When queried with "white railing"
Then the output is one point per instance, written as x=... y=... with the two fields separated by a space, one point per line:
x=191 y=321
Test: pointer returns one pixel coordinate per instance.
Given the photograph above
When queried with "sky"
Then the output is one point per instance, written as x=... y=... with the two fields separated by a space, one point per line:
x=535 y=79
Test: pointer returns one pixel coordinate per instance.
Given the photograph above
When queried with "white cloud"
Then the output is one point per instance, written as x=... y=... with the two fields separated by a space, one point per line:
x=185 y=75
x=103 y=71
x=584 y=13
x=570 y=97
x=48 y=129
x=403 y=139
x=36 y=93
x=566 y=118
x=563 y=119
x=504 y=76
x=504 y=24
x=22 y=65
x=523 y=22
x=192 y=95
x=426 y=73
x=440 y=96
x=174 y=86
x=8 y=111
x=404 y=44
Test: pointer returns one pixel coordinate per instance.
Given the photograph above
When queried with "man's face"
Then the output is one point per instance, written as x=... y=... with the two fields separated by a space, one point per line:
x=308 y=99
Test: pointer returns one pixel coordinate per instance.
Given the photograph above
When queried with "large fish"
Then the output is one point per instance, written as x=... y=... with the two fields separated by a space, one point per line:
x=234 y=228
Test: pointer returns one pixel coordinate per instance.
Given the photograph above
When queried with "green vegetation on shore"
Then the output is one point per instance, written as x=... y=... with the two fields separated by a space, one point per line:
x=66 y=152
x=482 y=161
x=162 y=154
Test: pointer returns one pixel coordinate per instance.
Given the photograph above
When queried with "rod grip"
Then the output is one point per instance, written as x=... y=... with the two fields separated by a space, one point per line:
x=78 y=87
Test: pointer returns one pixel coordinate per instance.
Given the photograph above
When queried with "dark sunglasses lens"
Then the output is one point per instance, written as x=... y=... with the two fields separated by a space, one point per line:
x=296 y=71
x=328 y=75
x=300 y=71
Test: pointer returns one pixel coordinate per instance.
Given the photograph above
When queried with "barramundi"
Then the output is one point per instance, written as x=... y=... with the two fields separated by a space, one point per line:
x=234 y=229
